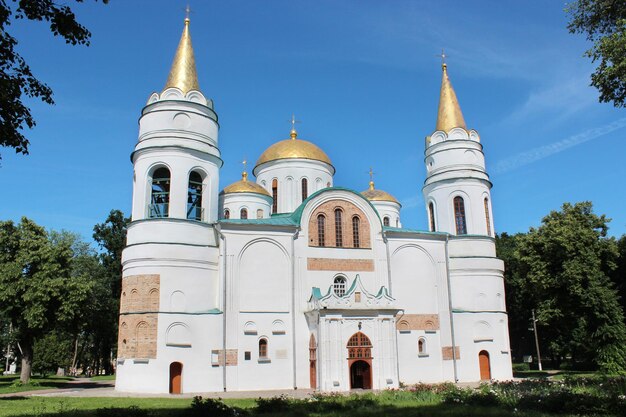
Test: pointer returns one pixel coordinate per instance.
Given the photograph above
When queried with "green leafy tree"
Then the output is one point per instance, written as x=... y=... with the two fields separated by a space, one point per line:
x=565 y=263
x=51 y=352
x=16 y=77
x=111 y=237
x=38 y=290
x=604 y=23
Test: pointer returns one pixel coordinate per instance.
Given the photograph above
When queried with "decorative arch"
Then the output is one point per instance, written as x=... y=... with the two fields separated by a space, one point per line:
x=178 y=335
x=359 y=346
x=279 y=327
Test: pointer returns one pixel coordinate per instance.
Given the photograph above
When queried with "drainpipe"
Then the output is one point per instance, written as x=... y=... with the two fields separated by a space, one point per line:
x=293 y=304
x=225 y=277
x=390 y=293
x=456 y=379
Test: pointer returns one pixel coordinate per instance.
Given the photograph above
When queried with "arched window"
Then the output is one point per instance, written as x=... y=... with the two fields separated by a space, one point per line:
x=338 y=229
x=160 y=196
x=487 y=218
x=355 y=231
x=459 y=216
x=339 y=286
x=431 y=216
x=397 y=222
x=386 y=221
x=194 y=196
x=359 y=346
x=226 y=214
x=243 y=214
x=321 y=226
x=263 y=348
x=259 y=214
x=305 y=189
x=275 y=195
x=421 y=346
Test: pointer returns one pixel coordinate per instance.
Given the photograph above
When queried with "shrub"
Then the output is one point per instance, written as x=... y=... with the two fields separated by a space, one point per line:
x=273 y=404
x=521 y=367
x=211 y=407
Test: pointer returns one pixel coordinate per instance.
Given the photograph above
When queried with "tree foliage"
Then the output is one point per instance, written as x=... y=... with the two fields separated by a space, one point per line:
x=604 y=23
x=561 y=270
x=16 y=78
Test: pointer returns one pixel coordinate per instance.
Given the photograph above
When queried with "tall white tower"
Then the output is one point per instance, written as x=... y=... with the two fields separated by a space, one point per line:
x=170 y=300
x=457 y=187
x=458 y=202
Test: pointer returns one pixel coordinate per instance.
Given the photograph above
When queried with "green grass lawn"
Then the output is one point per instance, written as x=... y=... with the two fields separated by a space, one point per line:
x=161 y=407
x=103 y=378
x=7 y=383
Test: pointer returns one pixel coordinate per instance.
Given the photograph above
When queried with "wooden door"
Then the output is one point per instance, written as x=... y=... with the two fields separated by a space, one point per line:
x=176 y=377
x=485 y=367
x=360 y=375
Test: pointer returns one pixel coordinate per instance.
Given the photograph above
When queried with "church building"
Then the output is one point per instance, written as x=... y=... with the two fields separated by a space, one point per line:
x=284 y=280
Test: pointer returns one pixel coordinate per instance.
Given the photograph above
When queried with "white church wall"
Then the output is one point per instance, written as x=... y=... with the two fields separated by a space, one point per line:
x=390 y=210
x=255 y=204
x=289 y=174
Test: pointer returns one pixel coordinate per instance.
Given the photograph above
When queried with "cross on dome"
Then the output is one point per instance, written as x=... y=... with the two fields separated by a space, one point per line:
x=293 y=122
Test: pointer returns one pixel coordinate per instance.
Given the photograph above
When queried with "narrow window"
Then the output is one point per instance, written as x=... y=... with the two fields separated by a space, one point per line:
x=339 y=286
x=305 y=189
x=160 y=197
x=226 y=214
x=459 y=216
x=243 y=214
x=259 y=214
x=487 y=218
x=321 y=226
x=431 y=216
x=194 y=196
x=397 y=222
x=263 y=348
x=275 y=195
x=421 y=346
x=355 y=231
x=338 y=229
x=386 y=221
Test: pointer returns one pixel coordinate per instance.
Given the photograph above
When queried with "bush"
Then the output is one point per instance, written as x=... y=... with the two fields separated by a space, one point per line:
x=211 y=407
x=273 y=404
x=521 y=367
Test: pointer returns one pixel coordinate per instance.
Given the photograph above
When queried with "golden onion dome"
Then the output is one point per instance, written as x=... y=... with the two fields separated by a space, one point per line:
x=245 y=186
x=378 y=195
x=293 y=148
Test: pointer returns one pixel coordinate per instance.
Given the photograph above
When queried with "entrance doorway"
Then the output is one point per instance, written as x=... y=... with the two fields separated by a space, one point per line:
x=313 y=362
x=485 y=366
x=360 y=361
x=360 y=375
x=176 y=377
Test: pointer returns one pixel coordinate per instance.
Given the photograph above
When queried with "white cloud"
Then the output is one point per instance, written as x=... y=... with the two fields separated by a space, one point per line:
x=536 y=154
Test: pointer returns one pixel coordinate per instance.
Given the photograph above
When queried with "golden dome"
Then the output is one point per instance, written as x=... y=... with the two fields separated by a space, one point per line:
x=245 y=186
x=293 y=148
x=378 y=195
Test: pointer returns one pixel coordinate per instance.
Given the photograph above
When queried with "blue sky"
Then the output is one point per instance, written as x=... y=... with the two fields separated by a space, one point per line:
x=363 y=76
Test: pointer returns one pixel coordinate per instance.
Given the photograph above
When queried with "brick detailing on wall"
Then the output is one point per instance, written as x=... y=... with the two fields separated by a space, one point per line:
x=329 y=264
x=446 y=353
x=231 y=357
x=417 y=322
x=139 y=304
x=140 y=293
x=349 y=210
x=137 y=337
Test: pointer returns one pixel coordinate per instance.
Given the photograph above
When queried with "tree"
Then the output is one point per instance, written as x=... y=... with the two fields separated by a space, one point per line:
x=564 y=263
x=604 y=23
x=16 y=77
x=38 y=290
x=111 y=237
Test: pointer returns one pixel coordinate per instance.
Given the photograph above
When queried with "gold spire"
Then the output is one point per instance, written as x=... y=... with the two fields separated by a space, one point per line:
x=294 y=133
x=244 y=173
x=371 y=179
x=183 y=73
x=449 y=115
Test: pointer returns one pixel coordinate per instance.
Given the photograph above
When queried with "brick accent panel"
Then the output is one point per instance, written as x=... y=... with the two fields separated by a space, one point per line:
x=446 y=353
x=231 y=357
x=417 y=322
x=137 y=337
x=138 y=324
x=329 y=264
x=349 y=210
x=140 y=293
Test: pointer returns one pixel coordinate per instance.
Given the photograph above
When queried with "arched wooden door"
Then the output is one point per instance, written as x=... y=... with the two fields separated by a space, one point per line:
x=176 y=377
x=360 y=361
x=485 y=366
x=313 y=362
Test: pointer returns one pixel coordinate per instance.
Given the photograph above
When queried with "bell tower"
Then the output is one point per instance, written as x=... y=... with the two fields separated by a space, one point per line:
x=170 y=311
x=457 y=186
